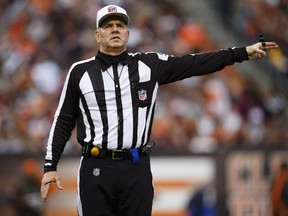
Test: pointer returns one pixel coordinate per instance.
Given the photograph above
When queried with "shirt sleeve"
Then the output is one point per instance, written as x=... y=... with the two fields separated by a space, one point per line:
x=64 y=122
x=172 y=68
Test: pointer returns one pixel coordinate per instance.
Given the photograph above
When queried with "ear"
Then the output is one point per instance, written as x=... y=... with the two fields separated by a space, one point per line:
x=97 y=35
x=128 y=36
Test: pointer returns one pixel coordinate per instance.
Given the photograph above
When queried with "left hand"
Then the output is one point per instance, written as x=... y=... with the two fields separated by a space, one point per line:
x=48 y=178
x=256 y=51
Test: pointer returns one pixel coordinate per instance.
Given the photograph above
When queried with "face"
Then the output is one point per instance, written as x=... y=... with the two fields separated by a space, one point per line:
x=112 y=36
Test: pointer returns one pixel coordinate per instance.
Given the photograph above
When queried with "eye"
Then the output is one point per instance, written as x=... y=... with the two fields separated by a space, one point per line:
x=107 y=26
x=120 y=25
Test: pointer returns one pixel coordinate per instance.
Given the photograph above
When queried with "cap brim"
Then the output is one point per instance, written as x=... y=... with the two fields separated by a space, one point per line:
x=122 y=16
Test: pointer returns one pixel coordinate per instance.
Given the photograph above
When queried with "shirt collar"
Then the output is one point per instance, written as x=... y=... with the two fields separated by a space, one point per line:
x=108 y=60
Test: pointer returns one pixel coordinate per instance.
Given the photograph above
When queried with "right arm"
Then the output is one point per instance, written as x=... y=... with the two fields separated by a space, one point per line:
x=63 y=124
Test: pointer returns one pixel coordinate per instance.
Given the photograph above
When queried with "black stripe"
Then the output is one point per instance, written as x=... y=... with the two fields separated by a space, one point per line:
x=89 y=118
x=97 y=80
x=119 y=106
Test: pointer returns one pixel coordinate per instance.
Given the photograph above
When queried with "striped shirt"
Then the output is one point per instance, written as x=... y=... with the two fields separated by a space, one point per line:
x=112 y=99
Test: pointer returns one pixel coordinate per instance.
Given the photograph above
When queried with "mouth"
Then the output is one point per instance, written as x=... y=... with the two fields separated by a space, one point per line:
x=115 y=38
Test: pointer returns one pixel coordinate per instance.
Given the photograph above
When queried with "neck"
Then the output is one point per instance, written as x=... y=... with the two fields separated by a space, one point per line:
x=113 y=52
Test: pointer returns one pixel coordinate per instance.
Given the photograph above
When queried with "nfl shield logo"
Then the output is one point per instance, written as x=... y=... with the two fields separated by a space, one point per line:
x=142 y=95
x=96 y=172
x=112 y=9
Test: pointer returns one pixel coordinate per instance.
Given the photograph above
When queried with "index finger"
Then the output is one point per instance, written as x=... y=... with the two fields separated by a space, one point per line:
x=270 y=45
x=44 y=190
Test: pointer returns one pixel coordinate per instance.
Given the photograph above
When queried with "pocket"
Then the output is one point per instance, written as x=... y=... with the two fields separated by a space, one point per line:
x=143 y=93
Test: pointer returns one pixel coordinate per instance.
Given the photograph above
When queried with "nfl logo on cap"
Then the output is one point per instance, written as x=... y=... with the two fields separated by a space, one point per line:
x=111 y=10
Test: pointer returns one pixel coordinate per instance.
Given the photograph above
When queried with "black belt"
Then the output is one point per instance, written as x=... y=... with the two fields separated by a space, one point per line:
x=119 y=154
x=115 y=154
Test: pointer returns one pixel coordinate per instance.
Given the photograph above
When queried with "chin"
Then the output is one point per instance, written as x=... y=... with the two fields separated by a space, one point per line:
x=117 y=47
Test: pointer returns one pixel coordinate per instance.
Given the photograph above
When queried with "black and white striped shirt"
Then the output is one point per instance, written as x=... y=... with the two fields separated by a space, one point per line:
x=112 y=99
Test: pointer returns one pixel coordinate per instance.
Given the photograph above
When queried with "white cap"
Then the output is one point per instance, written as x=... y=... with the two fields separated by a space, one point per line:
x=111 y=10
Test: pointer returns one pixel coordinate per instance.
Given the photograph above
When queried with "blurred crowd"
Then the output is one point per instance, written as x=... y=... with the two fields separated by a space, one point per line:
x=249 y=18
x=41 y=39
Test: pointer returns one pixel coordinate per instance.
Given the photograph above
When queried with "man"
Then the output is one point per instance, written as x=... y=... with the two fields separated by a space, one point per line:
x=112 y=98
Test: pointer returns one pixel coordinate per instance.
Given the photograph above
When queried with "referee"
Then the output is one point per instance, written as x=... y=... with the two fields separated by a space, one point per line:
x=111 y=98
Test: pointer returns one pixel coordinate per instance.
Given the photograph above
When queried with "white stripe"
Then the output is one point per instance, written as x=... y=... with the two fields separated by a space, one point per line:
x=144 y=76
x=149 y=118
x=88 y=92
x=144 y=72
x=127 y=108
x=141 y=118
x=111 y=105
x=50 y=140
x=86 y=123
x=79 y=203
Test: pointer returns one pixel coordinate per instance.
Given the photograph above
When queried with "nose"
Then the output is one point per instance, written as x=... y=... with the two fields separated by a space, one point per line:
x=115 y=28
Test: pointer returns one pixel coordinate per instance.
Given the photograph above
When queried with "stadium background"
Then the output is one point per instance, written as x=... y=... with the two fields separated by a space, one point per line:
x=223 y=136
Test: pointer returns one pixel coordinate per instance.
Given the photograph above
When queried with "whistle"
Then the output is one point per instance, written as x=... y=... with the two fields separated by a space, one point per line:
x=95 y=151
x=261 y=39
